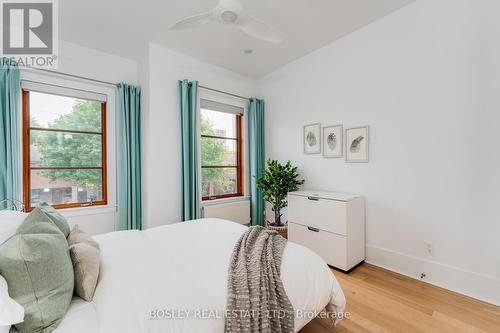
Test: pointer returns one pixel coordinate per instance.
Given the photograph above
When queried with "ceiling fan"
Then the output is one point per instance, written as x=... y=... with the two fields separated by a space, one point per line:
x=232 y=12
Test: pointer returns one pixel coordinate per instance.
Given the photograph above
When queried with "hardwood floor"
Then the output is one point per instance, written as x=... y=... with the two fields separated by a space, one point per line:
x=382 y=301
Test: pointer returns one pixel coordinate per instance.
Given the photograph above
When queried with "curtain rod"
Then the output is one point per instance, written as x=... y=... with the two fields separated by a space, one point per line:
x=114 y=84
x=69 y=75
x=224 y=92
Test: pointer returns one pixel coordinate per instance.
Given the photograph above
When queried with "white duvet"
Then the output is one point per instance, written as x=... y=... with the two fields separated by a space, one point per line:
x=174 y=279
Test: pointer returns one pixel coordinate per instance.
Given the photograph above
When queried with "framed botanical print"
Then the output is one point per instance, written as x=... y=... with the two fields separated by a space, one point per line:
x=312 y=139
x=333 y=143
x=356 y=144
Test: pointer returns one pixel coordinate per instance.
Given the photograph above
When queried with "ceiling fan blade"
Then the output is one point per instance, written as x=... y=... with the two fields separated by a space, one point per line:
x=261 y=30
x=192 y=22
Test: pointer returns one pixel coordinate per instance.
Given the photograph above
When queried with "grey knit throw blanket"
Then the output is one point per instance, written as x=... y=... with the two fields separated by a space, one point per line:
x=257 y=301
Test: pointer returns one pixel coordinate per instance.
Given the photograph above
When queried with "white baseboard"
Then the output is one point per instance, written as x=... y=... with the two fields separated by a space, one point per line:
x=479 y=286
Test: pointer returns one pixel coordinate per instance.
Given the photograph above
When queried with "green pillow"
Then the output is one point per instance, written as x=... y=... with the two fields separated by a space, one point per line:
x=37 y=266
x=57 y=218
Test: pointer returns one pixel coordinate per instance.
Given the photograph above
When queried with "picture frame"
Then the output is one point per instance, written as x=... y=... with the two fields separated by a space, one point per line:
x=333 y=141
x=312 y=138
x=357 y=144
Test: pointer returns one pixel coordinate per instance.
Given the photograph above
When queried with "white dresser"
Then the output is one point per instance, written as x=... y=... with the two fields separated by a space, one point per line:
x=331 y=224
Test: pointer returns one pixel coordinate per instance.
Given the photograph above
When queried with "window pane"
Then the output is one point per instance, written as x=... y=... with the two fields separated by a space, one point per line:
x=65 y=149
x=67 y=113
x=65 y=186
x=220 y=152
x=217 y=181
x=218 y=123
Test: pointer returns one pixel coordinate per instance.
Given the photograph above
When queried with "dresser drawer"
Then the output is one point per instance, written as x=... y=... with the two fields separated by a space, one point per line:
x=323 y=214
x=331 y=247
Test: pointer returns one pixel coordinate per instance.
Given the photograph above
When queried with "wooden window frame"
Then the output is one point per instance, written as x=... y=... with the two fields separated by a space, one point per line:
x=27 y=158
x=239 y=162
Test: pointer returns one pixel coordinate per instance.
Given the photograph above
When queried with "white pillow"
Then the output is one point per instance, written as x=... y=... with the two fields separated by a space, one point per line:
x=11 y=312
x=10 y=220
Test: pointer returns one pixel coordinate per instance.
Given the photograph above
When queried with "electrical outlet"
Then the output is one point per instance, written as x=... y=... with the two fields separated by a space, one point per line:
x=429 y=248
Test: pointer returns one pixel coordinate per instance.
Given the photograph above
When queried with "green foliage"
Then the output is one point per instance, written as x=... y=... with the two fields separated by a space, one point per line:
x=215 y=152
x=212 y=152
x=85 y=116
x=275 y=184
x=66 y=149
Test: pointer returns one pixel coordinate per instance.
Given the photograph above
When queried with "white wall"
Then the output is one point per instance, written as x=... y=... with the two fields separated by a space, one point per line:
x=77 y=60
x=426 y=79
x=161 y=136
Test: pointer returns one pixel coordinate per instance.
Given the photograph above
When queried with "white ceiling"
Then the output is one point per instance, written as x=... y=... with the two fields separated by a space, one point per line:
x=124 y=27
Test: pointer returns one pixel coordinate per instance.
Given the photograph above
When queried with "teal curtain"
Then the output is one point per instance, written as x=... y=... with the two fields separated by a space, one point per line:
x=10 y=169
x=257 y=157
x=191 y=182
x=129 y=157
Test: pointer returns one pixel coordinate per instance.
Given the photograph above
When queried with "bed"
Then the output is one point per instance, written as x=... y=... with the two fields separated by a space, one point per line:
x=174 y=279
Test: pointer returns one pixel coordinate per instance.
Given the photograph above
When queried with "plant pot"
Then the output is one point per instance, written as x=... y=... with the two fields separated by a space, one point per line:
x=282 y=230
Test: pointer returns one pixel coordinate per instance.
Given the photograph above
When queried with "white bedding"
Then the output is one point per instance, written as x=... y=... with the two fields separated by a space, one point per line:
x=184 y=267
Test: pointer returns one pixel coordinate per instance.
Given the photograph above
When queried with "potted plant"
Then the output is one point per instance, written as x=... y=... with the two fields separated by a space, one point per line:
x=275 y=184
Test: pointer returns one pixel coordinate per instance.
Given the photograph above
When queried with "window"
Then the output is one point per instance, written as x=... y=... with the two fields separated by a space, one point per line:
x=221 y=150
x=64 y=147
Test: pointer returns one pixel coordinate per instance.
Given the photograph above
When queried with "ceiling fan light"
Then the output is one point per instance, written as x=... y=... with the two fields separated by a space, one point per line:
x=229 y=16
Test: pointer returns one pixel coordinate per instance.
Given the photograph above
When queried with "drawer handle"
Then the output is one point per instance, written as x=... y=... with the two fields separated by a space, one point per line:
x=313 y=229
x=313 y=198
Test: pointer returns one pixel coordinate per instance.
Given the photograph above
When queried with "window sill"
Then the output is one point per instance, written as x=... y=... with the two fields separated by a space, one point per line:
x=223 y=201
x=86 y=211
